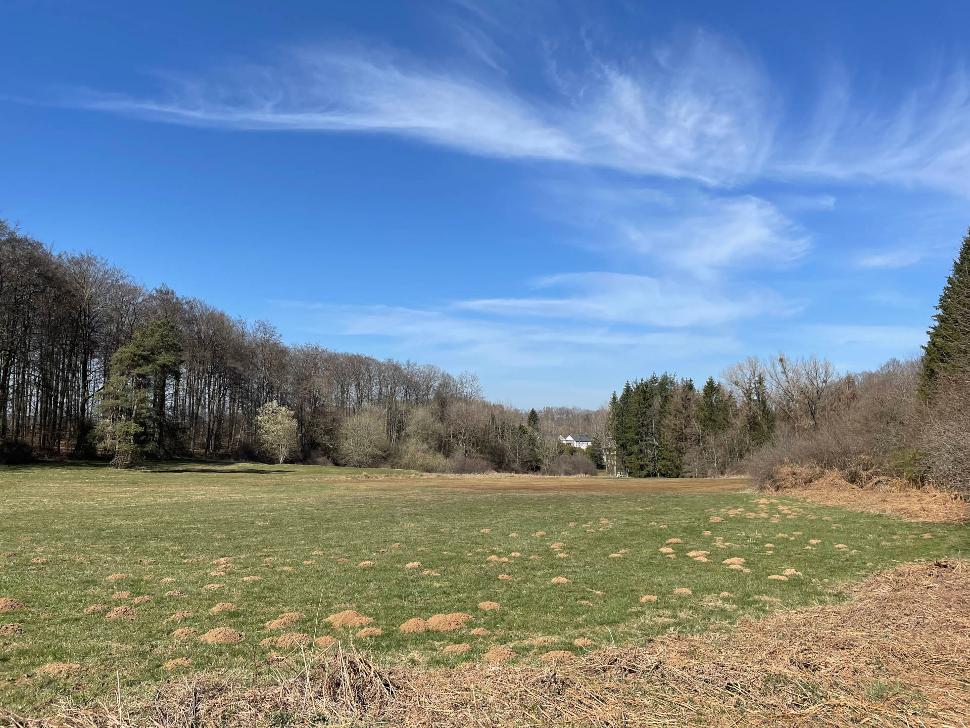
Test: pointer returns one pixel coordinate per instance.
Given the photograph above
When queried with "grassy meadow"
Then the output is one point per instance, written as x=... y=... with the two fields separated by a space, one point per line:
x=198 y=547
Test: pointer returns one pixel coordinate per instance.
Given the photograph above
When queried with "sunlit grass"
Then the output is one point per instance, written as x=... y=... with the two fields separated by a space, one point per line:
x=304 y=533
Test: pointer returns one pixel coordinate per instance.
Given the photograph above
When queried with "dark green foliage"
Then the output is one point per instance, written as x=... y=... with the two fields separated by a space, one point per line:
x=645 y=425
x=533 y=420
x=134 y=421
x=595 y=453
x=947 y=353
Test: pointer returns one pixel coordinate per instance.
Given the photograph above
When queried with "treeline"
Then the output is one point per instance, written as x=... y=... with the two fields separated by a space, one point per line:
x=86 y=353
x=907 y=419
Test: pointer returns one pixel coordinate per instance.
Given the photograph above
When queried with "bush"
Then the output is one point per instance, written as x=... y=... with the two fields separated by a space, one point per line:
x=413 y=455
x=467 y=465
x=946 y=440
x=575 y=463
x=14 y=452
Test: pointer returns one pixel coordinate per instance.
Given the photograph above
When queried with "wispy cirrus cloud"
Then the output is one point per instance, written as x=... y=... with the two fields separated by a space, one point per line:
x=465 y=339
x=922 y=138
x=893 y=258
x=695 y=110
x=634 y=299
x=684 y=231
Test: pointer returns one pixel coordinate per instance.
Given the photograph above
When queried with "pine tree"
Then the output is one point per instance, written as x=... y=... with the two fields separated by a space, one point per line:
x=133 y=410
x=533 y=420
x=947 y=353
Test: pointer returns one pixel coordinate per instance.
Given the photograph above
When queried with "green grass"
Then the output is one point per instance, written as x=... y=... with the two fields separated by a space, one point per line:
x=173 y=522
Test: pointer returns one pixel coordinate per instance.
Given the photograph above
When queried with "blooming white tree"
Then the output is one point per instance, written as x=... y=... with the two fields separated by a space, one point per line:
x=277 y=431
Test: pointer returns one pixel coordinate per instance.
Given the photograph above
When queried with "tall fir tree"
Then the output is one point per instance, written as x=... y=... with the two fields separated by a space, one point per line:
x=134 y=421
x=947 y=353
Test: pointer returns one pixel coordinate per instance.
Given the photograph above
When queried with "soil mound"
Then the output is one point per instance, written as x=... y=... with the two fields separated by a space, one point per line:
x=447 y=622
x=222 y=636
x=349 y=618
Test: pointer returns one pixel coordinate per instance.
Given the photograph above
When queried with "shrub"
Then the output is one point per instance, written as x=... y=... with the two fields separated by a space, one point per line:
x=575 y=463
x=467 y=464
x=413 y=455
x=14 y=452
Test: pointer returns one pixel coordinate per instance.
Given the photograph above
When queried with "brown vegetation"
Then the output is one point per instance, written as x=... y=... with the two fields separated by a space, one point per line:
x=894 y=654
x=875 y=494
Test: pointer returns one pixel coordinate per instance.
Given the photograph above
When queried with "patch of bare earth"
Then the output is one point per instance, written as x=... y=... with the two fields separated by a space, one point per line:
x=889 y=496
x=58 y=669
x=894 y=654
x=221 y=636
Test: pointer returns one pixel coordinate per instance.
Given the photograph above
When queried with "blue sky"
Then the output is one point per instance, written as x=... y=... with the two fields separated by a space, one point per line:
x=555 y=196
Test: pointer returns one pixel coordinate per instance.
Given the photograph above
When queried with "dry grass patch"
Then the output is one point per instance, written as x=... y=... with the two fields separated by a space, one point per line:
x=58 y=669
x=177 y=664
x=287 y=641
x=874 y=494
x=349 y=618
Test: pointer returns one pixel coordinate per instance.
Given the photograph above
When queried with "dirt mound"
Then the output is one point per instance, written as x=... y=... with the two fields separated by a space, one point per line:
x=872 y=494
x=177 y=663
x=648 y=598
x=58 y=669
x=498 y=655
x=184 y=632
x=222 y=607
x=459 y=649
x=559 y=580
x=287 y=641
x=123 y=612
x=447 y=622
x=221 y=636
x=94 y=609
x=349 y=618
x=8 y=604
x=285 y=620
x=143 y=599
x=415 y=625
x=583 y=642
x=121 y=595
x=324 y=642
x=488 y=606
x=117 y=577
x=367 y=632
x=11 y=629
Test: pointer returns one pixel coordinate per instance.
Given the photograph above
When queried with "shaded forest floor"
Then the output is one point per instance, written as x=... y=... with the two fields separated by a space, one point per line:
x=123 y=581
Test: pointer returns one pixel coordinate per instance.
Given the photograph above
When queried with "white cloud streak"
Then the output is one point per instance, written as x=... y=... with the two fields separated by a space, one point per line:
x=633 y=299
x=699 y=111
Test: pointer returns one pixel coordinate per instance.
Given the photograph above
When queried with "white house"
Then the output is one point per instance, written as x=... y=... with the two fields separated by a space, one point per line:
x=580 y=441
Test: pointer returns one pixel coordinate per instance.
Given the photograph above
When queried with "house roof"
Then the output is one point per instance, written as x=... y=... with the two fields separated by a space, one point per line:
x=582 y=438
